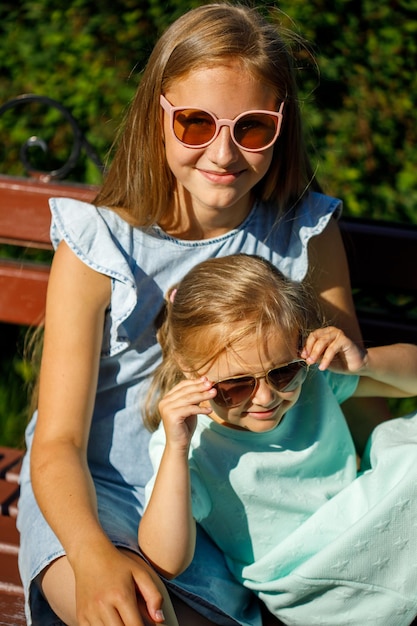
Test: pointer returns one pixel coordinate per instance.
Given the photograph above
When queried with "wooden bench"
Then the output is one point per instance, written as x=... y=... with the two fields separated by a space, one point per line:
x=382 y=260
x=11 y=592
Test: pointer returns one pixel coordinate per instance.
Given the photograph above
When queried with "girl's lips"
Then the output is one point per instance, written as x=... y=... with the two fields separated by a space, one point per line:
x=221 y=178
x=263 y=415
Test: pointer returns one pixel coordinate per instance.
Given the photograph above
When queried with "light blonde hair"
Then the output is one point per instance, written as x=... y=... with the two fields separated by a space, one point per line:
x=217 y=304
x=139 y=183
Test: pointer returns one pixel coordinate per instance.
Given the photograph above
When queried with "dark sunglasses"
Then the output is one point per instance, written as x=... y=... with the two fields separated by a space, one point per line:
x=253 y=131
x=234 y=391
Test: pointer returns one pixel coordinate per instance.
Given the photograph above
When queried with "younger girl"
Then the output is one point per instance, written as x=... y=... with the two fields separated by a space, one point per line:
x=255 y=447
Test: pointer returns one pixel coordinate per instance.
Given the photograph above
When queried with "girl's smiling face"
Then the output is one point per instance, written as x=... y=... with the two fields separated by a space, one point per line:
x=265 y=409
x=215 y=182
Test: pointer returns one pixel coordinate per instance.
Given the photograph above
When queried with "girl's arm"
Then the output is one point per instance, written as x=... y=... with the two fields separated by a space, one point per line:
x=386 y=371
x=167 y=529
x=329 y=276
x=389 y=371
x=76 y=304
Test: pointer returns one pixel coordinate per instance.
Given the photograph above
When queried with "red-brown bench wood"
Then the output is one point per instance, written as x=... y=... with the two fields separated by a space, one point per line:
x=25 y=222
x=12 y=609
x=24 y=211
x=11 y=590
x=23 y=292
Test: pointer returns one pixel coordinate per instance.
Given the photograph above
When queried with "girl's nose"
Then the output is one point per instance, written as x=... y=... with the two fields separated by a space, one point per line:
x=264 y=393
x=223 y=151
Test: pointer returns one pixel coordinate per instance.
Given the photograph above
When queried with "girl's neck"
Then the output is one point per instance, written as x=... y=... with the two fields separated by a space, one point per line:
x=183 y=221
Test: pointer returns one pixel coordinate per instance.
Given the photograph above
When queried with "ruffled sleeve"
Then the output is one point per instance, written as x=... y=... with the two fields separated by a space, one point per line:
x=291 y=234
x=101 y=240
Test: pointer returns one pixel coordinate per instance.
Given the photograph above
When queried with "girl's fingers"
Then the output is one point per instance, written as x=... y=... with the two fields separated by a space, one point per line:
x=188 y=386
x=331 y=348
x=316 y=343
x=324 y=344
x=179 y=408
x=190 y=393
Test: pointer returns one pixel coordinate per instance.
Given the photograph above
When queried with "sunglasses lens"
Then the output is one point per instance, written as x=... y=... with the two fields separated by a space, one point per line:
x=255 y=130
x=289 y=377
x=233 y=392
x=194 y=127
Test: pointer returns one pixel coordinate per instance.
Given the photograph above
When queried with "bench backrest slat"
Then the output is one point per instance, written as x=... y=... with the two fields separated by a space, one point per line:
x=25 y=222
x=24 y=209
x=23 y=292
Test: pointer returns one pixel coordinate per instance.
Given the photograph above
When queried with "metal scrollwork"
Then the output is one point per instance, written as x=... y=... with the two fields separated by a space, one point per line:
x=80 y=142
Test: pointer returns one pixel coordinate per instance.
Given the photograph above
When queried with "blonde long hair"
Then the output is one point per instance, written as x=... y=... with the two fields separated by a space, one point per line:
x=139 y=183
x=217 y=304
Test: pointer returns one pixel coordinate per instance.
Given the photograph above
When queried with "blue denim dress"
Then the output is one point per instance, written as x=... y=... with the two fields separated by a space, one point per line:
x=142 y=265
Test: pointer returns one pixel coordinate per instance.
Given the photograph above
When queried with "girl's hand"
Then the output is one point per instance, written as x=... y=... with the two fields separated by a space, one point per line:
x=114 y=588
x=332 y=349
x=181 y=405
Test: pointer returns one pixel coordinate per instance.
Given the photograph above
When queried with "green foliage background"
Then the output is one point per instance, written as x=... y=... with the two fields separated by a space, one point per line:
x=360 y=109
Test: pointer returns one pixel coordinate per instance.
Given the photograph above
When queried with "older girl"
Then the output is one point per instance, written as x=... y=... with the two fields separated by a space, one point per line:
x=211 y=161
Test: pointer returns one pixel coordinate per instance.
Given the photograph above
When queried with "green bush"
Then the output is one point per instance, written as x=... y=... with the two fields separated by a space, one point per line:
x=364 y=110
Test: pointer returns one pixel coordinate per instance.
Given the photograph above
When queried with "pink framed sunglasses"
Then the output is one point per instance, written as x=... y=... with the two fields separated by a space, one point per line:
x=252 y=131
